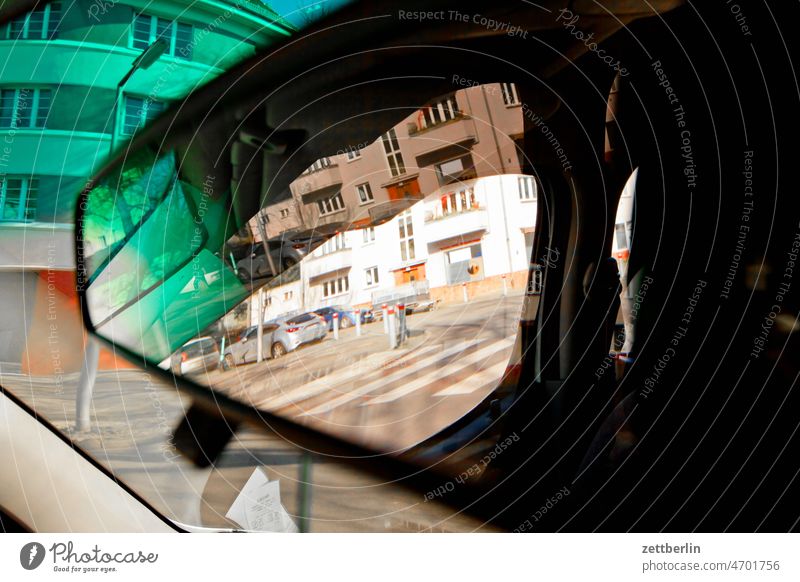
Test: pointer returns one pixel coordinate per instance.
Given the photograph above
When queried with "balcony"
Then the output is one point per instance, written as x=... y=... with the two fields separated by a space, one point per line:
x=337 y=261
x=319 y=184
x=443 y=141
x=385 y=211
x=49 y=152
x=455 y=225
x=35 y=246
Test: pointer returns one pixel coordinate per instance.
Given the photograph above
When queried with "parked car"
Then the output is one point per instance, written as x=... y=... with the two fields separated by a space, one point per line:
x=245 y=350
x=194 y=356
x=254 y=265
x=292 y=331
x=347 y=315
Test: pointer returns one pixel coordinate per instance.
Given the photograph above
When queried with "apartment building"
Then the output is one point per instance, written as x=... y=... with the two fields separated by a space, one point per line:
x=61 y=116
x=437 y=204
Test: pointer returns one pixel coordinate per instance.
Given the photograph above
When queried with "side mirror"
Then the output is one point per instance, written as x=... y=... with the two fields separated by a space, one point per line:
x=192 y=183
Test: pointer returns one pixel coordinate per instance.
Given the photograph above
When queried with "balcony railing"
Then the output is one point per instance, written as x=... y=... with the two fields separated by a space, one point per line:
x=456 y=224
x=319 y=182
x=430 y=116
x=339 y=260
x=392 y=295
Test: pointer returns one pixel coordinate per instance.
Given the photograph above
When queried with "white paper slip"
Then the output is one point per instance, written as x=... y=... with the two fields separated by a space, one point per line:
x=258 y=506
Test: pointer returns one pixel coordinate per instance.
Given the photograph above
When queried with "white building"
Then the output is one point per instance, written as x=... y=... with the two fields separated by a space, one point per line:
x=471 y=234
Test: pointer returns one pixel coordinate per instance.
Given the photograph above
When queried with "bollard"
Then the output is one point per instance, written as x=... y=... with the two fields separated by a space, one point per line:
x=401 y=323
x=505 y=289
x=335 y=326
x=83 y=398
x=385 y=319
x=392 y=329
x=260 y=328
x=464 y=288
x=358 y=322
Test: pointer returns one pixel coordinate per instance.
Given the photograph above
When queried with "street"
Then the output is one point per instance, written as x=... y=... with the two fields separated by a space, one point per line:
x=355 y=387
x=359 y=389
x=133 y=415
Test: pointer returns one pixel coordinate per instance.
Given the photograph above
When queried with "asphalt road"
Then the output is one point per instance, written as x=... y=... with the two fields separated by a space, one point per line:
x=132 y=417
x=359 y=389
x=355 y=387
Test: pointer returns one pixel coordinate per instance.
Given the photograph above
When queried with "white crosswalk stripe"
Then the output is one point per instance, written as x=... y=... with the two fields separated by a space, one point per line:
x=476 y=381
x=327 y=383
x=450 y=369
x=330 y=382
x=383 y=381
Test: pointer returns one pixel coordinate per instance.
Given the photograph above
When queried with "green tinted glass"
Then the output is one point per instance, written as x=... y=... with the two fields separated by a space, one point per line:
x=152 y=283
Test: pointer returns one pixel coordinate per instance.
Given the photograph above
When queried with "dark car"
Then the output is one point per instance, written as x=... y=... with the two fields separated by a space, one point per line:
x=254 y=265
x=347 y=315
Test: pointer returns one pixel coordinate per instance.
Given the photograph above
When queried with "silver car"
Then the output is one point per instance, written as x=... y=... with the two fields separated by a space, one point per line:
x=245 y=350
x=296 y=330
x=197 y=355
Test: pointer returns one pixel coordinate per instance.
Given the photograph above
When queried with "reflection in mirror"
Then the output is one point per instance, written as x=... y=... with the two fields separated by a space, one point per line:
x=621 y=247
x=378 y=298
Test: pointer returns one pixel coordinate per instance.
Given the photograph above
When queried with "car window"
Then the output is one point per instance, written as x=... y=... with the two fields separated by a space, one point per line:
x=300 y=319
x=199 y=348
x=430 y=225
x=133 y=411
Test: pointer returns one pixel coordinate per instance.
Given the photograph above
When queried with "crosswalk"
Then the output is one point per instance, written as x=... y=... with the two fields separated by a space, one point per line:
x=327 y=383
x=470 y=363
x=460 y=369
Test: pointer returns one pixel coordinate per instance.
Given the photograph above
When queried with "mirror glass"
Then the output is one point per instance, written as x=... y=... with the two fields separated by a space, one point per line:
x=377 y=297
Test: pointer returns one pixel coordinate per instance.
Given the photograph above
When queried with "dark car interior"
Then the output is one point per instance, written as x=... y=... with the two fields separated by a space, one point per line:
x=696 y=428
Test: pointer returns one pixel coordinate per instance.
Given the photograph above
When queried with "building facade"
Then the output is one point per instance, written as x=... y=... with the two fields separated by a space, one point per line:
x=60 y=118
x=438 y=205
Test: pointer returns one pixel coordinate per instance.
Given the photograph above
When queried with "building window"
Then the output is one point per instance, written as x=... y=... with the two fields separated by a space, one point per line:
x=406 y=230
x=333 y=244
x=454 y=170
x=456 y=202
x=444 y=110
x=371 y=275
x=509 y=91
x=288 y=295
x=18 y=198
x=24 y=108
x=392 y=149
x=39 y=24
x=353 y=154
x=331 y=205
x=369 y=235
x=527 y=188
x=147 y=28
x=320 y=164
x=364 y=193
x=268 y=301
x=284 y=213
x=336 y=286
x=139 y=112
